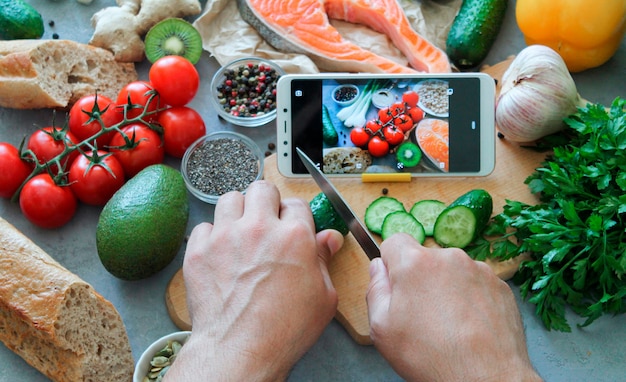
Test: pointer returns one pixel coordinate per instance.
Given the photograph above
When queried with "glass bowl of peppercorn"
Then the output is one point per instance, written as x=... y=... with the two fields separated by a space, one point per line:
x=220 y=162
x=345 y=95
x=244 y=91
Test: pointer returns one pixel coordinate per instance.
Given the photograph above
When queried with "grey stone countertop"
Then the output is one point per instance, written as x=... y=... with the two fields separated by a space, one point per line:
x=595 y=353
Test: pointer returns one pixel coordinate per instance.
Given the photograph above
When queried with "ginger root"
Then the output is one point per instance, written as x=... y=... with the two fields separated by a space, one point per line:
x=121 y=29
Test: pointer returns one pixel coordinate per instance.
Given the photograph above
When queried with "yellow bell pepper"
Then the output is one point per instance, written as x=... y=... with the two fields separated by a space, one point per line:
x=586 y=33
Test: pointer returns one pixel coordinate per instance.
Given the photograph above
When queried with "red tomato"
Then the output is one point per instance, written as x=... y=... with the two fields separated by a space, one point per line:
x=182 y=126
x=384 y=115
x=46 y=204
x=95 y=183
x=416 y=114
x=83 y=118
x=377 y=146
x=396 y=108
x=410 y=98
x=175 y=79
x=403 y=122
x=13 y=170
x=49 y=142
x=138 y=93
x=393 y=135
x=137 y=147
x=373 y=125
x=359 y=136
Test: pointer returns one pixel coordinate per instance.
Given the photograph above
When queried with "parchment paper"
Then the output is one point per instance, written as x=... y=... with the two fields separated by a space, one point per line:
x=227 y=37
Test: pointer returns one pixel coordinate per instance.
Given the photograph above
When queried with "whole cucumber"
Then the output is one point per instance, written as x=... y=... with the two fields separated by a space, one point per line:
x=329 y=133
x=19 y=20
x=474 y=31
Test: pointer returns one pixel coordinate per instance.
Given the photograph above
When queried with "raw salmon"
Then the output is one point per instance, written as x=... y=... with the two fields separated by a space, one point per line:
x=303 y=26
x=432 y=137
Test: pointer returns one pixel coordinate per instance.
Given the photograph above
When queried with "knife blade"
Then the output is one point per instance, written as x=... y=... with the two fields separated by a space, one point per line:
x=361 y=234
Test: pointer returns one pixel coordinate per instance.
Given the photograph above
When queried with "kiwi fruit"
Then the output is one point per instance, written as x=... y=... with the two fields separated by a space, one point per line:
x=409 y=154
x=173 y=36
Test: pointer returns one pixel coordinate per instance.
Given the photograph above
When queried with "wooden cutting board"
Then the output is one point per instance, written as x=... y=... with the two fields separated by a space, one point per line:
x=349 y=268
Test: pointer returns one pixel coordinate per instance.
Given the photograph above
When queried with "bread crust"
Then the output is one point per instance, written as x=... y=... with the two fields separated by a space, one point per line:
x=56 y=321
x=38 y=74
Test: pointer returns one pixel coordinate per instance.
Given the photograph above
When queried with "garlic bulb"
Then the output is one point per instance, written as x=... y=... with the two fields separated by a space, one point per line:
x=537 y=93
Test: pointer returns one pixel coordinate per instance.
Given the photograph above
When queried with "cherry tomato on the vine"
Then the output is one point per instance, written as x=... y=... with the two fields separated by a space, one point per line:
x=49 y=142
x=397 y=108
x=95 y=178
x=410 y=98
x=373 y=125
x=385 y=115
x=139 y=93
x=416 y=114
x=137 y=147
x=13 y=170
x=359 y=136
x=182 y=126
x=393 y=135
x=83 y=118
x=175 y=79
x=403 y=122
x=46 y=204
x=377 y=146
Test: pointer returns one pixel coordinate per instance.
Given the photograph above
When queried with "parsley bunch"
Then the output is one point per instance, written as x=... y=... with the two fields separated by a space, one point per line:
x=576 y=236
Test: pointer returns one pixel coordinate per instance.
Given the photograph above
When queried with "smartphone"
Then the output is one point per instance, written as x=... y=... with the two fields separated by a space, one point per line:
x=422 y=124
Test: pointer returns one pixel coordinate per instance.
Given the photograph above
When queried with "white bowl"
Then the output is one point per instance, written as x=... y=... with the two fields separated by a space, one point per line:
x=192 y=181
x=143 y=365
x=343 y=88
x=219 y=98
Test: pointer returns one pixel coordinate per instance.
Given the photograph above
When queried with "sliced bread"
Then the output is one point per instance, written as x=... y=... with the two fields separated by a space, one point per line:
x=56 y=321
x=38 y=74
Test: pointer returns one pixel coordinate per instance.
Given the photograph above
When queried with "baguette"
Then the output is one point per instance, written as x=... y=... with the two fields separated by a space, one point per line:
x=346 y=160
x=54 y=320
x=36 y=74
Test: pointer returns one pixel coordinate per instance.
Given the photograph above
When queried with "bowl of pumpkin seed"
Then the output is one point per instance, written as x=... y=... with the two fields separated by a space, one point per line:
x=158 y=357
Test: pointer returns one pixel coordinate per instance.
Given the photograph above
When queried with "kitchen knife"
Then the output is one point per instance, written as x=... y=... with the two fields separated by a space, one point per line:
x=361 y=234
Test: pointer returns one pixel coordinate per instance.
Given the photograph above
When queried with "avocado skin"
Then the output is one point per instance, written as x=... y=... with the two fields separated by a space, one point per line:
x=19 y=20
x=473 y=31
x=142 y=227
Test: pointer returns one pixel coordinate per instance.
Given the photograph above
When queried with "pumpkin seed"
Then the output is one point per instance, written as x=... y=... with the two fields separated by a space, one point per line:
x=162 y=360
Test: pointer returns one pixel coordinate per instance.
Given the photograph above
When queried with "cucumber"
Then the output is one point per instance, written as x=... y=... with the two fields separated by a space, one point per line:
x=378 y=210
x=325 y=216
x=329 y=133
x=426 y=212
x=464 y=219
x=402 y=221
x=19 y=20
x=474 y=31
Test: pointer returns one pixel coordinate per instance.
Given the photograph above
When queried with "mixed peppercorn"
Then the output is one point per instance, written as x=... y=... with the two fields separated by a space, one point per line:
x=248 y=90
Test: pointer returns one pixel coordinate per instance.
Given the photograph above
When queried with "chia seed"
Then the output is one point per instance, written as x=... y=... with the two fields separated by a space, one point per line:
x=222 y=165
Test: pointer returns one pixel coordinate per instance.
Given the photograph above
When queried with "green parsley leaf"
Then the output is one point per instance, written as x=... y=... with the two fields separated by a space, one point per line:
x=576 y=235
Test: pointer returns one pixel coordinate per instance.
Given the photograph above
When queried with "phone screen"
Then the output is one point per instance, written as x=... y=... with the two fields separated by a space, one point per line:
x=418 y=125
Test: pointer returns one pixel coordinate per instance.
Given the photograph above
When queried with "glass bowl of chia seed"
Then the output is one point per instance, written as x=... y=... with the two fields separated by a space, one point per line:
x=220 y=162
x=243 y=91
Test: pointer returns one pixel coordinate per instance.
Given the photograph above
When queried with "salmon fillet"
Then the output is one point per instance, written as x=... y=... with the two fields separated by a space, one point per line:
x=432 y=137
x=303 y=26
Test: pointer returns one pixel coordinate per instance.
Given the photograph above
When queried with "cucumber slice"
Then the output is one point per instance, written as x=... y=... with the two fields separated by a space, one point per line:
x=402 y=221
x=455 y=227
x=378 y=210
x=426 y=212
x=464 y=219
